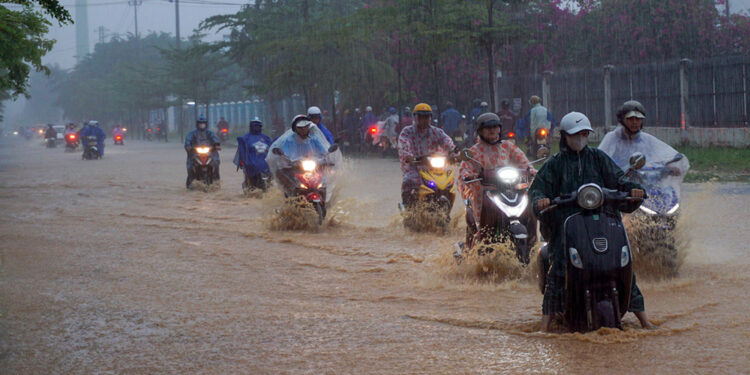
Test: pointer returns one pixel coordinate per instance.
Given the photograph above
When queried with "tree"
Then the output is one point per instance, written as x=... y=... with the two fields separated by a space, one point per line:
x=22 y=41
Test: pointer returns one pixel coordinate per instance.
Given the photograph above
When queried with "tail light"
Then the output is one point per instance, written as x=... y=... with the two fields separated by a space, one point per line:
x=511 y=135
x=148 y=130
x=543 y=132
x=224 y=130
x=72 y=137
x=373 y=129
x=119 y=137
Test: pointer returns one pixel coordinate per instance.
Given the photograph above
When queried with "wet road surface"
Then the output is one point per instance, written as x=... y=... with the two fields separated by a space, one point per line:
x=111 y=266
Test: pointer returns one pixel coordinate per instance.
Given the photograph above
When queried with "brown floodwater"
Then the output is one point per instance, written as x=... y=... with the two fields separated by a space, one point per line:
x=112 y=266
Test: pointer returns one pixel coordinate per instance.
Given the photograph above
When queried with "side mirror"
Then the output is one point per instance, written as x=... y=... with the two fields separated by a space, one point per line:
x=676 y=158
x=333 y=148
x=637 y=160
x=466 y=154
x=277 y=151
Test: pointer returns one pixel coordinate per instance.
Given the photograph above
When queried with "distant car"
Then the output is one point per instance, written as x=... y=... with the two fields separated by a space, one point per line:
x=60 y=129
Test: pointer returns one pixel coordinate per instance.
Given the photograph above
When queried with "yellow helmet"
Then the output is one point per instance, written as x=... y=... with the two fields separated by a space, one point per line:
x=423 y=109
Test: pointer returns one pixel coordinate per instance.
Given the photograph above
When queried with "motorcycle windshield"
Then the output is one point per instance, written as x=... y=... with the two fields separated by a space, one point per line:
x=663 y=189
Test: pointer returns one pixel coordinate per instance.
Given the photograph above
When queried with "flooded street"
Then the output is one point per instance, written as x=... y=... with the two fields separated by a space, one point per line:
x=112 y=266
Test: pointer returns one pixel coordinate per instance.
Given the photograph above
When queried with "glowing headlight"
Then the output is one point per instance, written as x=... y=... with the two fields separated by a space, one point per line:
x=15 y=133
x=508 y=175
x=590 y=196
x=309 y=165
x=203 y=150
x=437 y=162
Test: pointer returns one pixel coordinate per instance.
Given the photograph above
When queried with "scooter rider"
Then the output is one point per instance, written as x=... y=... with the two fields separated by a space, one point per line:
x=576 y=164
x=492 y=152
x=314 y=115
x=628 y=138
x=93 y=129
x=418 y=140
x=303 y=140
x=197 y=136
x=252 y=149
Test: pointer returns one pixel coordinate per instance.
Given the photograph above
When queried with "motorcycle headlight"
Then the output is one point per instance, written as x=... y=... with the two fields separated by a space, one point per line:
x=203 y=150
x=508 y=175
x=590 y=196
x=309 y=165
x=437 y=162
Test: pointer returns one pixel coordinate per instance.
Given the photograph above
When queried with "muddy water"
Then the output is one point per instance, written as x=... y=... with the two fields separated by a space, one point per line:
x=111 y=266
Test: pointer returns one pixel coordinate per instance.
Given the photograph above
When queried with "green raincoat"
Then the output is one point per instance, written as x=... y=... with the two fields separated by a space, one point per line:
x=564 y=173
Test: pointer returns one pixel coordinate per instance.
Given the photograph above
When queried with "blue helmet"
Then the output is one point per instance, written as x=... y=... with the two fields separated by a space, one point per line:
x=392 y=110
x=256 y=120
x=202 y=118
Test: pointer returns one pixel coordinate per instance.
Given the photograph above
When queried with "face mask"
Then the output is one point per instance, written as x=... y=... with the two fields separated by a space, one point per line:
x=202 y=126
x=577 y=142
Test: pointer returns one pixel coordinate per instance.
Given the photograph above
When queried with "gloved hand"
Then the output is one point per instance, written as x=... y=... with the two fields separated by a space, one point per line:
x=636 y=193
x=544 y=203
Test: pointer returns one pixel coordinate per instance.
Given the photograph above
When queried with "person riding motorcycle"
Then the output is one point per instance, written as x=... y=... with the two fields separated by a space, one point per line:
x=575 y=165
x=628 y=138
x=222 y=124
x=93 y=129
x=198 y=136
x=303 y=140
x=252 y=149
x=418 y=140
x=507 y=118
x=314 y=114
x=117 y=130
x=50 y=135
x=537 y=117
x=450 y=119
x=492 y=152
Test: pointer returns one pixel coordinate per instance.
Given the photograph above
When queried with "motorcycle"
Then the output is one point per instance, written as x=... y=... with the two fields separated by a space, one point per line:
x=539 y=146
x=203 y=167
x=92 y=150
x=598 y=258
x=506 y=213
x=260 y=181
x=659 y=213
x=118 y=139
x=71 y=142
x=149 y=134
x=437 y=192
x=223 y=134
x=51 y=142
x=306 y=178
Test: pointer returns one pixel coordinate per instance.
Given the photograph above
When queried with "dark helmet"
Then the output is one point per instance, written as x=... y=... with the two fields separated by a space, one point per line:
x=476 y=102
x=488 y=120
x=628 y=107
x=505 y=104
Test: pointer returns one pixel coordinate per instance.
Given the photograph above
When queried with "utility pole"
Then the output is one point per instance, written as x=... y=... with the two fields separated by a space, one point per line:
x=102 y=31
x=135 y=4
x=726 y=7
x=179 y=98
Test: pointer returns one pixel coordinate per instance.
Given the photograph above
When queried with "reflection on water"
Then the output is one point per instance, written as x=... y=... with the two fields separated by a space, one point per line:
x=112 y=266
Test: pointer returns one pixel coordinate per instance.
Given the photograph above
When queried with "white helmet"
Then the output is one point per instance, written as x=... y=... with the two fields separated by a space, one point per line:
x=313 y=111
x=575 y=122
x=368 y=109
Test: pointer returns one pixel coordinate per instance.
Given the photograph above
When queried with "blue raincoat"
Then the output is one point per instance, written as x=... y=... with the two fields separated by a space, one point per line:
x=201 y=137
x=326 y=133
x=96 y=132
x=450 y=119
x=252 y=149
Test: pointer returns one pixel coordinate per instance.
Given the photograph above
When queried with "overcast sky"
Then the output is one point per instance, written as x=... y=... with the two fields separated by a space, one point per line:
x=117 y=17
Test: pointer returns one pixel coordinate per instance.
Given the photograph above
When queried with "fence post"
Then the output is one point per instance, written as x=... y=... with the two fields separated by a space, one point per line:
x=546 y=80
x=608 y=95
x=684 y=93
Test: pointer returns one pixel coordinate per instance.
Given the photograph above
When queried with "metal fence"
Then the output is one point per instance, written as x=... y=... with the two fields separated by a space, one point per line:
x=715 y=92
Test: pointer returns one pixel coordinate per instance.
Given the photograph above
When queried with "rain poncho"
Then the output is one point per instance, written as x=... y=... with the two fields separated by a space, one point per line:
x=387 y=129
x=201 y=137
x=564 y=173
x=96 y=132
x=252 y=149
x=415 y=143
x=295 y=148
x=620 y=146
x=490 y=156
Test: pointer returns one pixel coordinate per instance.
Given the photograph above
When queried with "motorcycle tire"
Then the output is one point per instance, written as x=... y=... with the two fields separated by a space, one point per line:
x=605 y=312
x=319 y=209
